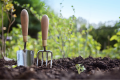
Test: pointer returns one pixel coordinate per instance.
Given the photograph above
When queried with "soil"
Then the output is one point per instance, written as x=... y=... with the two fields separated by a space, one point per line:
x=64 y=69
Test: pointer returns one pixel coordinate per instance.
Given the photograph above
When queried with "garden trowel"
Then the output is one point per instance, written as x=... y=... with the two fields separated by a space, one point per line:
x=25 y=57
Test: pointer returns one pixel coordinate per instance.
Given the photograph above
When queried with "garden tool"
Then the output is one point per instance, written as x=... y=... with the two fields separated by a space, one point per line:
x=44 y=27
x=25 y=57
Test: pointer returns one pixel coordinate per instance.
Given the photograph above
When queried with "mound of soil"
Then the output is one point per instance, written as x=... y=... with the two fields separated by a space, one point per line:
x=64 y=69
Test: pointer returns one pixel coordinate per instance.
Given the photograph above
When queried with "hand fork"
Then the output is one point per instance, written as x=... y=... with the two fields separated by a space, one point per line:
x=44 y=27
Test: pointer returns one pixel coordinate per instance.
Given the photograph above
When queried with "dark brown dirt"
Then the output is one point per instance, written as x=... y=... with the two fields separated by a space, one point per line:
x=64 y=69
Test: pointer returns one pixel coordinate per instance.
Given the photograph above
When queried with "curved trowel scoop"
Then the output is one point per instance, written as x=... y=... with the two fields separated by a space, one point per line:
x=25 y=57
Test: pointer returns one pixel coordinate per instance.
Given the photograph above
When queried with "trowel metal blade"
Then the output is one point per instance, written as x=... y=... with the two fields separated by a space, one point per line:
x=25 y=58
x=20 y=58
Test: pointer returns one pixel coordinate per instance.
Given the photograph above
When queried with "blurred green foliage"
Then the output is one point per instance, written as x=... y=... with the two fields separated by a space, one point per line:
x=114 y=52
x=103 y=34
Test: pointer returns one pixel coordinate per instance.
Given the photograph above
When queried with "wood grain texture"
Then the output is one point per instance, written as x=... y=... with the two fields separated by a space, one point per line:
x=24 y=23
x=44 y=26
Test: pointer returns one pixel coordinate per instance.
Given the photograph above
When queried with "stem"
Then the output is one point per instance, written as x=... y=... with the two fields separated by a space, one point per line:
x=10 y=23
x=9 y=27
x=4 y=47
x=2 y=35
x=85 y=43
x=11 y=16
x=62 y=42
x=56 y=41
x=8 y=17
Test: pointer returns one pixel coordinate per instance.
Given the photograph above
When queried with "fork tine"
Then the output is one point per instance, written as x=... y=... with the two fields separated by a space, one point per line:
x=51 y=60
x=37 y=58
x=42 y=60
x=46 y=58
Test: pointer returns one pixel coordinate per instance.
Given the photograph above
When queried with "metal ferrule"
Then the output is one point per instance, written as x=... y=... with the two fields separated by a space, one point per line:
x=24 y=38
x=44 y=42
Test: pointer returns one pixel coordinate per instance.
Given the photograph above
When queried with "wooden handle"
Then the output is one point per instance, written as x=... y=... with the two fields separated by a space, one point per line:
x=24 y=22
x=44 y=27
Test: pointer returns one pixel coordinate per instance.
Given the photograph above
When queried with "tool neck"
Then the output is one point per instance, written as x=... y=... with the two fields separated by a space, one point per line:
x=24 y=46
x=44 y=48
